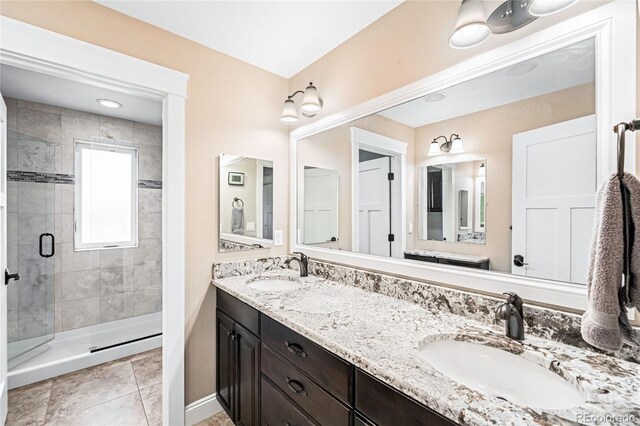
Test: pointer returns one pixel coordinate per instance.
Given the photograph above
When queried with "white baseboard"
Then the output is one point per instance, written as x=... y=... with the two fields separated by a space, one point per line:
x=201 y=409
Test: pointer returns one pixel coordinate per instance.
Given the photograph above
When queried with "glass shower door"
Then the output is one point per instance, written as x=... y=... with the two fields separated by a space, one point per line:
x=30 y=245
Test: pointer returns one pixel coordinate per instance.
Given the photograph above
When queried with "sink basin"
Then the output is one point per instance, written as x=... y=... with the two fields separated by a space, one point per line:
x=501 y=374
x=273 y=284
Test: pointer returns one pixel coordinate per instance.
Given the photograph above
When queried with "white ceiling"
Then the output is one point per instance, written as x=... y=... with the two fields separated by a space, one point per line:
x=558 y=70
x=31 y=86
x=283 y=37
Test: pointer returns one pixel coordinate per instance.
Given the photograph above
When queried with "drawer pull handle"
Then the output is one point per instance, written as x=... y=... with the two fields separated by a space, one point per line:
x=296 y=386
x=295 y=348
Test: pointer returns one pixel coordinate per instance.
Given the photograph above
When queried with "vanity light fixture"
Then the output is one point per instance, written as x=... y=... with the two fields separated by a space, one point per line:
x=473 y=27
x=548 y=7
x=311 y=105
x=452 y=145
x=482 y=171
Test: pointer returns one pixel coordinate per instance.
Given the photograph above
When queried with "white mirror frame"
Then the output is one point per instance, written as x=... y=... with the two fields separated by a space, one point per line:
x=614 y=27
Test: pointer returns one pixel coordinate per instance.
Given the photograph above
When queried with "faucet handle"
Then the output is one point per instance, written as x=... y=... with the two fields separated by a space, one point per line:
x=303 y=256
x=513 y=299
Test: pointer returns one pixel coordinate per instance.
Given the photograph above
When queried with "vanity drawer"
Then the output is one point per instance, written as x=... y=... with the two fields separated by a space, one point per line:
x=319 y=404
x=321 y=365
x=385 y=406
x=241 y=313
x=277 y=409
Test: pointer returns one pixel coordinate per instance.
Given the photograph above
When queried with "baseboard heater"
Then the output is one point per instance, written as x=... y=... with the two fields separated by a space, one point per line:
x=97 y=349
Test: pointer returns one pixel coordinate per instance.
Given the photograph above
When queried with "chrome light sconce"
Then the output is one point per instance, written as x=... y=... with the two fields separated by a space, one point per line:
x=452 y=145
x=472 y=26
x=311 y=105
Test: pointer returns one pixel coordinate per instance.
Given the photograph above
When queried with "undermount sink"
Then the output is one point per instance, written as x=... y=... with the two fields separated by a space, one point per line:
x=499 y=373
x=273 y=284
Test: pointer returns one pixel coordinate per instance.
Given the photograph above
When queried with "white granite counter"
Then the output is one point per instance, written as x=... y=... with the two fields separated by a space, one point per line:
x=382 y=335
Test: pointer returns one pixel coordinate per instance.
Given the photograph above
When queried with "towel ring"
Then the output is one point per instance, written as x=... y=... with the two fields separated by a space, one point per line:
x=237 y=201
x=620 y=129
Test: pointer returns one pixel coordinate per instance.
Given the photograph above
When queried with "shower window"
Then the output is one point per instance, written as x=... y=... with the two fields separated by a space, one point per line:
x=105 y=196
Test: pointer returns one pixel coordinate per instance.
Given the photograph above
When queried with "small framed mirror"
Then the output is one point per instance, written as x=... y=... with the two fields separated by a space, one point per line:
x=245 y=200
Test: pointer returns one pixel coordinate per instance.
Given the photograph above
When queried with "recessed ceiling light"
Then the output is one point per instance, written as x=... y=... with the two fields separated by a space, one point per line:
x=522 y=69
x=435 y=97
x=109 y=103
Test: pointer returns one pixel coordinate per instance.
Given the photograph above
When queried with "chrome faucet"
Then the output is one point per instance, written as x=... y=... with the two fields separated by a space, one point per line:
x=303 y=261
x=512 y=314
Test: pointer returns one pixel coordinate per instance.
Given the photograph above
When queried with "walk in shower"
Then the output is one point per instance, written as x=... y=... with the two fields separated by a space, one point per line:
x=75 y=178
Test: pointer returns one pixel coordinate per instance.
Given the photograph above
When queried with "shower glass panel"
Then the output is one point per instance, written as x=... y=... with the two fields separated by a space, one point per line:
x=30 y=247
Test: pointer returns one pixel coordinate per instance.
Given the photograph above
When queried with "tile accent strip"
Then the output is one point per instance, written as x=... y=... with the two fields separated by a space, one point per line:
x=547 y=323
x=150 y=184
x=18 y=176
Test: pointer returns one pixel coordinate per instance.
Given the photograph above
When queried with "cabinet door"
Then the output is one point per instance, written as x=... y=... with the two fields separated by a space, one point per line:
x=225 y=362
x=248 y=377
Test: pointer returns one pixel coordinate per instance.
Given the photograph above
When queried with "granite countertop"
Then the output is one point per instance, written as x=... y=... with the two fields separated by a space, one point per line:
x=382 y=336
x=452 y=256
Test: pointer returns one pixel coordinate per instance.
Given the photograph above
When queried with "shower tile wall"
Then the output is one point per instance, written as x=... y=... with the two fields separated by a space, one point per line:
x=87 y=287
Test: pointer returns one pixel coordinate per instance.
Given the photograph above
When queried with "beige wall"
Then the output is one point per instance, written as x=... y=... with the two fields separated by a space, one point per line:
x=332 y=150
x=489 y=134
x=232 y=107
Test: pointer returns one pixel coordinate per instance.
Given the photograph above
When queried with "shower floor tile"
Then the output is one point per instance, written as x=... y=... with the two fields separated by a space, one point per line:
x=127 y=391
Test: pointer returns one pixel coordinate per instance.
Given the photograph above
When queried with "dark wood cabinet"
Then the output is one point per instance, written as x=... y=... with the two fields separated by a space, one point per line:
x=225 y=365
x=268 y=374
x=237 y=370
x=383 y=405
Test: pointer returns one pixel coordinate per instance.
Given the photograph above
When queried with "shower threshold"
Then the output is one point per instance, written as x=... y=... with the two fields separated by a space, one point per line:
x=71 y=350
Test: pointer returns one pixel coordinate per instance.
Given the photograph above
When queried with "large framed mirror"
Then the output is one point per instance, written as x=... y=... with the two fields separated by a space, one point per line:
x=245 y=200
x=487 y=171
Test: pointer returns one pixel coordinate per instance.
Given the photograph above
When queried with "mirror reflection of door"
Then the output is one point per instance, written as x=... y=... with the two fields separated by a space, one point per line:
x=374 y=204
x=553 y=212
x=320 y=205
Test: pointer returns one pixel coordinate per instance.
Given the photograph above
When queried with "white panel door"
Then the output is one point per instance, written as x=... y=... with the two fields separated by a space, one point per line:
x=553 y=199
x=3 y=260
x=320 y=206
x=374 y=207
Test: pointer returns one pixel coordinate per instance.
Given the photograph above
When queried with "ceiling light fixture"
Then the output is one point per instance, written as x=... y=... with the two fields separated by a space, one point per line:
x=452 y=145
x=471 y=25
x=311 y=105
x=109 y=103
x=435 y=97
x=548 y=7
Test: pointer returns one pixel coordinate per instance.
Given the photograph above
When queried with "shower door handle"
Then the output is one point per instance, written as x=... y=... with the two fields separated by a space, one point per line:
x=8 y=277
x=53 y=244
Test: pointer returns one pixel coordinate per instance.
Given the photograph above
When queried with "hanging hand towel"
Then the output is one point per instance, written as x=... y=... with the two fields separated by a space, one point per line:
x=631 y=291
x=600 y=327
x=237 y=220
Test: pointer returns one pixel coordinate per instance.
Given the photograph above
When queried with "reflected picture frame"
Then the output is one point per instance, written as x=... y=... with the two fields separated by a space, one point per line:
x=236 y=179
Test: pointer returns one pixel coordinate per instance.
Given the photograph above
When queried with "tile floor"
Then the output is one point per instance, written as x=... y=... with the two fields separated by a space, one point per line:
x=124 y=392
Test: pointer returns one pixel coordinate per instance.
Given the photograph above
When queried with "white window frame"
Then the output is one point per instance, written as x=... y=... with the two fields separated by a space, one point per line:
x=77 y=224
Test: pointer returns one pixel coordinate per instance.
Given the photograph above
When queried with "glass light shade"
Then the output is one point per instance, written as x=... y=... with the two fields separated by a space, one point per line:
x=471 y=26
x=311 y=102
x=456 y=146
x=289 y=113
x=434 y=149
x=482 y=171
x=548 y=7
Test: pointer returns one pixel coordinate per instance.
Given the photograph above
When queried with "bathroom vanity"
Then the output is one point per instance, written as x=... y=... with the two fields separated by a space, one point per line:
x=269 y=374
x=349 y=347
